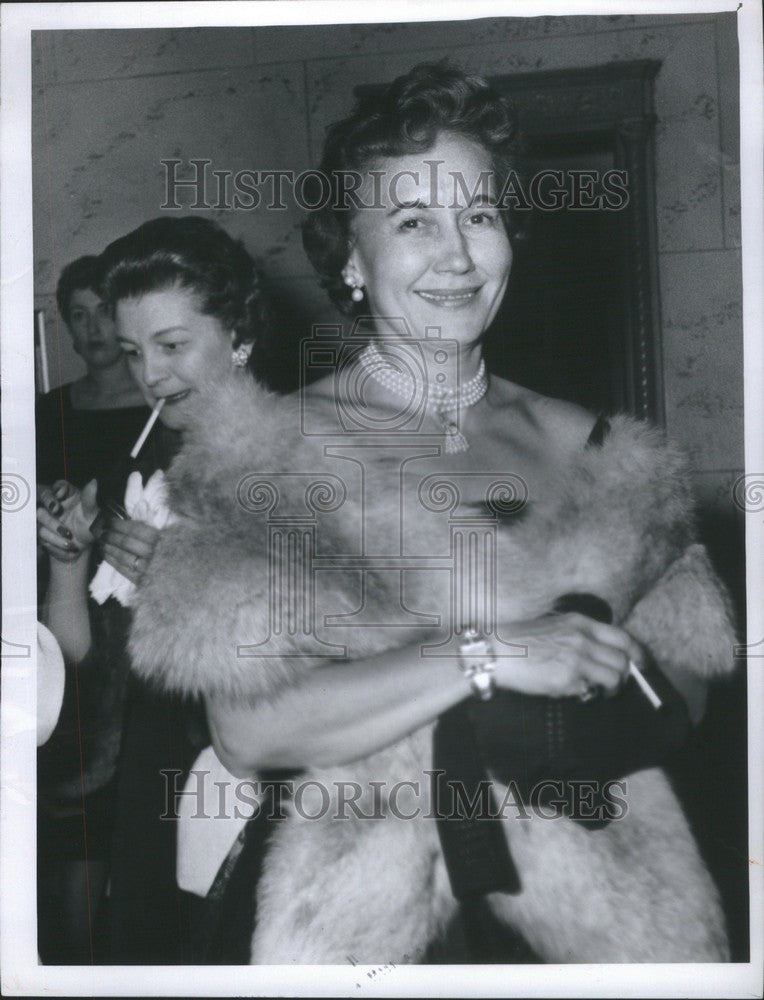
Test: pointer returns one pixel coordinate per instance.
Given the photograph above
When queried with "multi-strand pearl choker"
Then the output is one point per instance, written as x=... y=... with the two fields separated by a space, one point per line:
x=444 y=402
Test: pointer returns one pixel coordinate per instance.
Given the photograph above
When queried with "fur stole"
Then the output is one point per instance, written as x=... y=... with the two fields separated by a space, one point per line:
x=620 y=525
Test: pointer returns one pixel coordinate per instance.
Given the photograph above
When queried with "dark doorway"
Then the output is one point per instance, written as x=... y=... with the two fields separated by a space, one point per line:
x=560 y=328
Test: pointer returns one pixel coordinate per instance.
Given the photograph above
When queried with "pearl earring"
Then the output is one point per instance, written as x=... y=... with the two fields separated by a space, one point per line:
x=357 y=294
x=240 y=357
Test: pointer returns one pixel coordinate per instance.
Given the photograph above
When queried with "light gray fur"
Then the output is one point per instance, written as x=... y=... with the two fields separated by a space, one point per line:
x=620 y=526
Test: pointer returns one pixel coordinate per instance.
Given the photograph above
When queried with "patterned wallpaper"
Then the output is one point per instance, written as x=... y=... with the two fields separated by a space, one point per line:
x=109 y=105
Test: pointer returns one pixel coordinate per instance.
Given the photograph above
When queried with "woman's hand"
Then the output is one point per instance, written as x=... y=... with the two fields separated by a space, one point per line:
x=566 y=655
x=128 y=546
x=64 y=516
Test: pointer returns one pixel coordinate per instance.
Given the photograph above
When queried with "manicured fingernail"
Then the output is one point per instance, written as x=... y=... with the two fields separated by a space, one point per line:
x=64 y=532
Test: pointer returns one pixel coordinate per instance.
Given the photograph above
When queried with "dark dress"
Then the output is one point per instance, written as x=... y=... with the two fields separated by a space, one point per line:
x=79 y=445
x=150 y=918
x=75 y=793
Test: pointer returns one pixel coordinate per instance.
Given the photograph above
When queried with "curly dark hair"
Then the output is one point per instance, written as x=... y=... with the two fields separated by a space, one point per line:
x=193 y=253
x=405 y=117
x=83 y=274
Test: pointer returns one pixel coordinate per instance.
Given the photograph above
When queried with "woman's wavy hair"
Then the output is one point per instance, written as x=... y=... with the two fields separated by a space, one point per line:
x=195 y=254
x=83 y=274
x=406 y=117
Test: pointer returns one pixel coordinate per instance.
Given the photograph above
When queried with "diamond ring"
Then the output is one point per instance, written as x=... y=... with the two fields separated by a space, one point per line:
x=589 y=693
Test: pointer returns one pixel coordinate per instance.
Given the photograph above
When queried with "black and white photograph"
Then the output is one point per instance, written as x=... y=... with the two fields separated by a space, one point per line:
x=382 y=499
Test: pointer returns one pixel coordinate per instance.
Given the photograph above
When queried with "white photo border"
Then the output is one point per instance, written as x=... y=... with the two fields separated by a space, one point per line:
x=21 y=975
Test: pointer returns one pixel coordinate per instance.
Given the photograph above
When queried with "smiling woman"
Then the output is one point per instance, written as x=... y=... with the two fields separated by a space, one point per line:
x=185 y=306
x=185 y=297
x=427 y=254
x=172 y=348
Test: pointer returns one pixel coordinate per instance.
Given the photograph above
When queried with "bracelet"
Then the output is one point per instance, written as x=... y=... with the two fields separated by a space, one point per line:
x=478 y=664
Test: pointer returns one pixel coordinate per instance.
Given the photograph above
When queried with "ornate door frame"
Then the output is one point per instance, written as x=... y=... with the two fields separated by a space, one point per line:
x=616 y=102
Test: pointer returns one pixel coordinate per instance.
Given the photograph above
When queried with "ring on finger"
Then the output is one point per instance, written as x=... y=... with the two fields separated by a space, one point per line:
x=136 y=560
x=590 y=692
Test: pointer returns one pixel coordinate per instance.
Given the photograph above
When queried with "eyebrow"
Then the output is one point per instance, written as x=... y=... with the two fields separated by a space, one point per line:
x=479 y=201
x=157 y=333
x=403 y=205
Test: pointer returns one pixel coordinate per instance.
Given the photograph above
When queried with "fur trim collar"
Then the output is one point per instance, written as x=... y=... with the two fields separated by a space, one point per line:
x=619 y=524
x=621 y=514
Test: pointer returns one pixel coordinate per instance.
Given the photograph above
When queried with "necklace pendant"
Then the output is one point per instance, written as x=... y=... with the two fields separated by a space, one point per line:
x=455 y=440
x=438 y=400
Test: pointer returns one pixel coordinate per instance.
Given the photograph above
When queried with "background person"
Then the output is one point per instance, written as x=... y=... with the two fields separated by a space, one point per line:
x=84 y=425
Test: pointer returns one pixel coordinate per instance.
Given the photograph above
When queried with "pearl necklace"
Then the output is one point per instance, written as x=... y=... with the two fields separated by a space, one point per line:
x=441 y=400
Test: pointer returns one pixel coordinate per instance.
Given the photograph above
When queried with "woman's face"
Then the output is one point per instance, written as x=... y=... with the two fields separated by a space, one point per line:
x=435 y=253
x=92 y=330
x=172 y=349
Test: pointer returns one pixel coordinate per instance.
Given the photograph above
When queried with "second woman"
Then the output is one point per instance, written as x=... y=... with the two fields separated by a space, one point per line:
x=188 y=305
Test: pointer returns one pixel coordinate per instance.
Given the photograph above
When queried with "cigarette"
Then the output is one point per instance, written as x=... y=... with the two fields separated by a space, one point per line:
x=147 y=429
x=647 y=690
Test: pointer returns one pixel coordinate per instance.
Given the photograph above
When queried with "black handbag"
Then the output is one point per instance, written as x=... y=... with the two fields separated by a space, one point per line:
x=556 y=755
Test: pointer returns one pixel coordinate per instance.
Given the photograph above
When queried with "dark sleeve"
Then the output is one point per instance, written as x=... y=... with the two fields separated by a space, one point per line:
x=48 y=423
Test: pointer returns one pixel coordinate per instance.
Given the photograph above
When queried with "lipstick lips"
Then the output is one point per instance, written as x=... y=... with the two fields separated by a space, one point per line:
x=449 y=298
x=176 y=397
